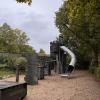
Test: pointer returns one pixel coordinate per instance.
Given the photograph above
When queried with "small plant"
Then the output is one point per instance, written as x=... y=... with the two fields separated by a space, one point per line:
x=97 y=72
x=92 y=69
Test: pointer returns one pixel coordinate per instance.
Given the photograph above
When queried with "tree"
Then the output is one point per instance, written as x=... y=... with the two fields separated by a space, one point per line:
x=22 y=40
x=42 y=52
x=25 y=1
x=7 y=39
x=79 y=20
x=13 y=43
x=14 y=40
x=29 y=49
x=84 y=21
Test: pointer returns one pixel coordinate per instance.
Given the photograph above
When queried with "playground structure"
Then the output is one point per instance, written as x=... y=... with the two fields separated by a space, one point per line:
x=38 y=67
x=59 y=53
x=72 y=62
x=34 y=71
x=12 y=90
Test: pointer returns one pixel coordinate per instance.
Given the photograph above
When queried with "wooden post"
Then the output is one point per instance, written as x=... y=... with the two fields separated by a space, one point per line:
x=17 y=73
x=57 y=67
x=40 y=72
x=32 y=70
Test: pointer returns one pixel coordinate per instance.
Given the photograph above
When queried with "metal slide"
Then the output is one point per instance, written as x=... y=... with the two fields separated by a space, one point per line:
x=73 y=58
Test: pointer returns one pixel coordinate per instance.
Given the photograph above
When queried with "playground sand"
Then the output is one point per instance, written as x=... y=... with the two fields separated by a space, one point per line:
x=80 y=86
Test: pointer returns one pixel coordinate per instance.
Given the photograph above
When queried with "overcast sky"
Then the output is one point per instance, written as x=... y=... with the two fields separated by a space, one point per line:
x=36 y=20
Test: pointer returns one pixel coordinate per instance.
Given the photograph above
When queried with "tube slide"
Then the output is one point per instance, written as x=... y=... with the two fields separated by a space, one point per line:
x=73 y=58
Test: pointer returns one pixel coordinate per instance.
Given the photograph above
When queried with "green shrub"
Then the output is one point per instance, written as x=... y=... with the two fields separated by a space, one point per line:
x=10 y=61
x=97 y=72
x=21 y=61
x=92 y=69
x=6 y=72
x=3 y=66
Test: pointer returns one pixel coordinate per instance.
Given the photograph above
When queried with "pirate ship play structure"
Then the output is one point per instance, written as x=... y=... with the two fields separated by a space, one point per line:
x=58 y=53
x=57 y=62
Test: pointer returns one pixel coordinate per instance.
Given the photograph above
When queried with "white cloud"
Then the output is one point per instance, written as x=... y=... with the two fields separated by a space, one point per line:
x=36 y=20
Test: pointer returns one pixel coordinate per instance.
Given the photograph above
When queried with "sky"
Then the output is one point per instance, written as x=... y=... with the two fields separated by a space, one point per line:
x=37 y=20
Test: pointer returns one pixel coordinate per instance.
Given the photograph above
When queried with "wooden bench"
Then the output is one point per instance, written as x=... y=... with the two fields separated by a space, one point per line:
x=12 y=90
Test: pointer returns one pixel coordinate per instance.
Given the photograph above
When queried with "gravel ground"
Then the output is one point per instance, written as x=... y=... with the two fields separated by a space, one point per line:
x=80 y=86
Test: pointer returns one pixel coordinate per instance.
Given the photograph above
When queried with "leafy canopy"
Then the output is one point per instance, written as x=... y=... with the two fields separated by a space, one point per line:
x=79 y=23
x=25 y=1
x=14 y=40
x=42 y=53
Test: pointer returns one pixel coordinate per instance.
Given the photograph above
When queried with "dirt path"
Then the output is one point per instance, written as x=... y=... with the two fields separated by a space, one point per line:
x=81 y=86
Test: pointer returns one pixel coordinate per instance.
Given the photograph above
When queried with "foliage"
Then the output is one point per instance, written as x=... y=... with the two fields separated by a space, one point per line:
x=97 y=72
x=13 y=44
x=21 y=61
x=14 y=40
x=79 y=23
x=84 y=21
x=42 y=53
x=10 y=61
x=2 y=59
x=6 y=72
x=25 y=1
x=92 y=69
x=7 y=39
x=3 y=66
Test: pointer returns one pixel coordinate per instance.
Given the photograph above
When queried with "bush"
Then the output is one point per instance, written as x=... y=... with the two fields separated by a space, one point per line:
x=21 y=62
x=3 y=66
x=92 y=69
x=4 y=72
x=10 y=61
x=97 y=72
